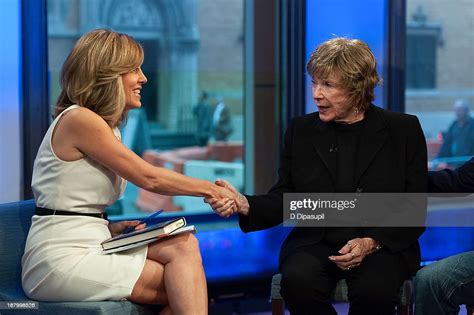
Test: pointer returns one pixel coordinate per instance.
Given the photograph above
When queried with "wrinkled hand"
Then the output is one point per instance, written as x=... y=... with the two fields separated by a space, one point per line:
x=116 y=228
x=223 y=201
x=225 y=208
x=354 y=252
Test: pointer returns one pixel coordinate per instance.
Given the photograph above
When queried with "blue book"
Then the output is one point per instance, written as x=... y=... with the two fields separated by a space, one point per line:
x=141 y=237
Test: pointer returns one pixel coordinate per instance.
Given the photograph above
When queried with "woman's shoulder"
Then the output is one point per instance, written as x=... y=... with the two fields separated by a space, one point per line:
x=395 y=117
x=83 y=117
x=82 y=123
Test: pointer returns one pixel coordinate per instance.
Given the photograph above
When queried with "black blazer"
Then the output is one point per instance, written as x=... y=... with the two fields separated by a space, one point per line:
x=391 y=158
x=458 y=180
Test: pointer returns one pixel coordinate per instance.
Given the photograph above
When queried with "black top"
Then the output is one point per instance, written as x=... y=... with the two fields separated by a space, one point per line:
x=348 y=137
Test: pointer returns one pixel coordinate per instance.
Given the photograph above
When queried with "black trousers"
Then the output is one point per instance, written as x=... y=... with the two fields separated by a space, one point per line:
x=309 y=278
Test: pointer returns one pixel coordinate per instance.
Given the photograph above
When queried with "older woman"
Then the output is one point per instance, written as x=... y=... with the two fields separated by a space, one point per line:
x=349 y=145
x=80 y=168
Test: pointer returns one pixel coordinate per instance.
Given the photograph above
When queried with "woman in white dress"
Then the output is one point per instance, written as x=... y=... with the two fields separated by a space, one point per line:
x=81 y=168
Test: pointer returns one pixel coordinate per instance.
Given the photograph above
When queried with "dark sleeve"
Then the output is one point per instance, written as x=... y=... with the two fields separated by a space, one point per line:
x=458 y=180
x=267 y=210
x=394 y=238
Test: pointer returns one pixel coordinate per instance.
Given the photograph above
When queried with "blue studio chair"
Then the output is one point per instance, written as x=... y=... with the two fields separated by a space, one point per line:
x=15 y=221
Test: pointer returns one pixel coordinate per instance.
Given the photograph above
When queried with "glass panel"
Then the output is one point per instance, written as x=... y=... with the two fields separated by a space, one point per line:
x=439 y=77
x=192 y=115
x=439 y=89
x=364 y=20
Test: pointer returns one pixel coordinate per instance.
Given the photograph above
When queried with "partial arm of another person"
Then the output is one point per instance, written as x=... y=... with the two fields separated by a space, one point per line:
x=459 y=180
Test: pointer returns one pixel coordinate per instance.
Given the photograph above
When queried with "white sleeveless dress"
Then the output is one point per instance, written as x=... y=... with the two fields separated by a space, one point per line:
x=63 y=258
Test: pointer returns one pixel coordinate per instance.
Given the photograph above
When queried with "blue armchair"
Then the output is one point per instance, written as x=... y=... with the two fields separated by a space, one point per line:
x=15 y=221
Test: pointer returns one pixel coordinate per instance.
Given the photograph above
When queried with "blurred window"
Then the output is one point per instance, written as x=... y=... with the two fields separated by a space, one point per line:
x=194 y=65
x=439 y=77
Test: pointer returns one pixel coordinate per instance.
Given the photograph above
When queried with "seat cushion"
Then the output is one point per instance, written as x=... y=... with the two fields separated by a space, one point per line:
x=15 y=222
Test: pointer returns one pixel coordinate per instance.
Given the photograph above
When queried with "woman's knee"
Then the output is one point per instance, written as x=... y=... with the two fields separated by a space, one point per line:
x=189 y=245
x=184 y=246
x=304 y=277
x=297 y=285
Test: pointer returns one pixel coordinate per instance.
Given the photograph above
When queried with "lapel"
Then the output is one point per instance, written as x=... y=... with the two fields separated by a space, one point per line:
x=373 y=136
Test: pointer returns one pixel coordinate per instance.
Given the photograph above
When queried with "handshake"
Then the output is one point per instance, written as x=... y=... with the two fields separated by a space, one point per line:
x=227 y=200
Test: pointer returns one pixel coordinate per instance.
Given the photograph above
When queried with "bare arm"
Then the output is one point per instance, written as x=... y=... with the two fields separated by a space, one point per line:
x=84 y=132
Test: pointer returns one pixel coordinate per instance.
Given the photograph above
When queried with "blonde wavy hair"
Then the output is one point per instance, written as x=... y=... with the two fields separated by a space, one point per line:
x=91 y=76
x=352 y=63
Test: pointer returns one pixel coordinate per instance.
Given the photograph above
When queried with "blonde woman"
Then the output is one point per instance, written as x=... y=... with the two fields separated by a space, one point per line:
x=82 y=167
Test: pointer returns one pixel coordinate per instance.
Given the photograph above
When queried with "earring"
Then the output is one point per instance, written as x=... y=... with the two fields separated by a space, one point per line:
x=355 y=109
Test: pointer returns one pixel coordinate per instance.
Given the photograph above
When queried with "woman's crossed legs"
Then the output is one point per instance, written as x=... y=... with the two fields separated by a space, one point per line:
x=173 y=275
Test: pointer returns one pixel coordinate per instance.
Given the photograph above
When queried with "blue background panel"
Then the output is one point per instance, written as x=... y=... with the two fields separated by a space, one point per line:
x=363 y=19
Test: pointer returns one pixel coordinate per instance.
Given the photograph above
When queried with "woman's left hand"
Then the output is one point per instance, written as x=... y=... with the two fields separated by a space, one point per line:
x=354 y=252
x=117 y=228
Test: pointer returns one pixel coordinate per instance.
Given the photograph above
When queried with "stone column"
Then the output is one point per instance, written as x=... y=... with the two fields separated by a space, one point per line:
x=178 y=70
x=178 y=86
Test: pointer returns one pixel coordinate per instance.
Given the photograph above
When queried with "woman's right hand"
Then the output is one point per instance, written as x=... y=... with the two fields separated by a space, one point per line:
x=224 y=201
x=224 y=207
